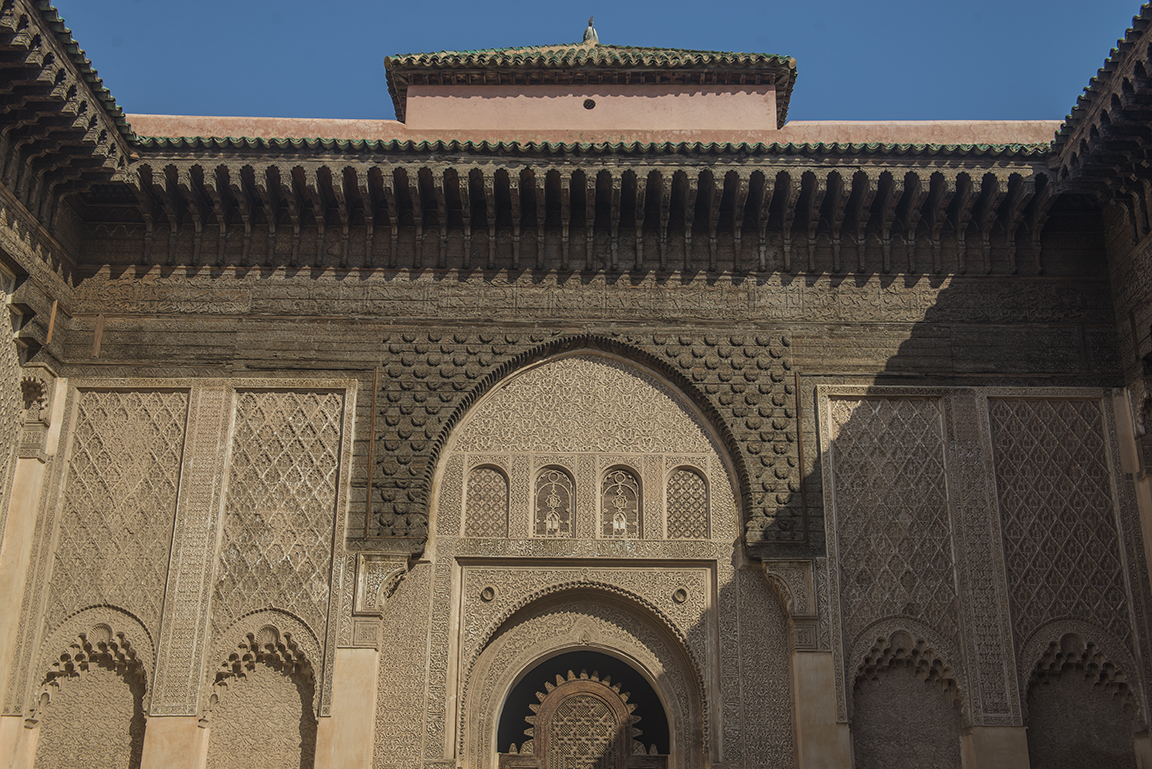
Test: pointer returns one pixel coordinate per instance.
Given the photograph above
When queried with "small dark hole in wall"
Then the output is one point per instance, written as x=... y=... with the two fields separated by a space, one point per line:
x=589 y=104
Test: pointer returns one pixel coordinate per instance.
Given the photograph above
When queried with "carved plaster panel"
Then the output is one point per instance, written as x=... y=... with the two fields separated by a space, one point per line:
x=37 y=390
x=598 y=413
x=963 y=527
x=119 y=503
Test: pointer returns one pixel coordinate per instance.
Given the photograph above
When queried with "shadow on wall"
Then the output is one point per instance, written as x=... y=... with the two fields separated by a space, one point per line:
x=901 y=459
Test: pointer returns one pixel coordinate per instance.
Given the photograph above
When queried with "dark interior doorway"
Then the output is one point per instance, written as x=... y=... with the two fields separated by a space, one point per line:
x=653 y=721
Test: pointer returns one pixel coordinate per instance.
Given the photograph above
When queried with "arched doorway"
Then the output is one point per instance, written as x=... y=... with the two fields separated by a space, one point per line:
x=607 y=716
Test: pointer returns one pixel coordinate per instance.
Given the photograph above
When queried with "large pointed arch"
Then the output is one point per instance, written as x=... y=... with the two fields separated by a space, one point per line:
x=575 y=411
x=611 y=345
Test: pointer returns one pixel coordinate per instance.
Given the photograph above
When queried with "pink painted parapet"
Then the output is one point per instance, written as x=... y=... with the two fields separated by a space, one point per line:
x=591 y=108
x=798 y=132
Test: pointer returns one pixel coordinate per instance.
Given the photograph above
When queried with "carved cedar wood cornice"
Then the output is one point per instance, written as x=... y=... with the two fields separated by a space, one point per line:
x=60 y=130
x=794 y=204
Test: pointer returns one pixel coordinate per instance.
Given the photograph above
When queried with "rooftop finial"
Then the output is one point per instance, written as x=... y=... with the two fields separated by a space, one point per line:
x=590 y=36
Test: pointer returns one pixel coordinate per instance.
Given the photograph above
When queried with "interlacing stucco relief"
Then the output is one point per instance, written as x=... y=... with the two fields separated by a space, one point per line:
x=276 y=547
x=595 y=622
x=91 y=692
x=907 y=551
x=1033 y=502
x=550 y=441
x=892 y=526
x=1061 y=542
x=741 y=383
x=561 y=407
x=119 y=502
x=403 y=673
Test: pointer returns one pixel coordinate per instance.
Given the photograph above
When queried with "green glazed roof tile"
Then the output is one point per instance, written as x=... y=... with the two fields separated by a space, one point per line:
x=1101 y=81
x=76 y=54
x=597 y=148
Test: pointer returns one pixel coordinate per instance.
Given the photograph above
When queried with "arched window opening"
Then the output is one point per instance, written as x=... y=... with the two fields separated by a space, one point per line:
x=555 y=504
x=583 y=709
x=620 y=514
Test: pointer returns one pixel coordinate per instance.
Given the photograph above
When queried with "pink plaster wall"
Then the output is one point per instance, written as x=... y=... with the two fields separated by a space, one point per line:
x=618 y=107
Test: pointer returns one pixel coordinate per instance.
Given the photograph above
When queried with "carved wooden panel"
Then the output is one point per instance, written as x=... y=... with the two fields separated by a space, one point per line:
x=891 y=508
x=280 y=510
x=1055 y=491
x=119 y=503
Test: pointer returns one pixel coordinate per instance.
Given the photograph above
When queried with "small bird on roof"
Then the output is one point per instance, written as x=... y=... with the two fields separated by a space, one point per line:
x=590 y=36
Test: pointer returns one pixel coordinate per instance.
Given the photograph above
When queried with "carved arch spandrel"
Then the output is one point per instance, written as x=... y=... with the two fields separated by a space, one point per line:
x=592 y=619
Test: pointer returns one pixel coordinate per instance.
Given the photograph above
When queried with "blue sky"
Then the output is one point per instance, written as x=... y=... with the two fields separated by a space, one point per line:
x=885 y=59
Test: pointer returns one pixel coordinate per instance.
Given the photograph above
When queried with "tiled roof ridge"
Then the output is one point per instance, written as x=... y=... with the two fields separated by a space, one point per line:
x=1103 y=77
x=439 y=57
x=593 y=148
x=55 y=22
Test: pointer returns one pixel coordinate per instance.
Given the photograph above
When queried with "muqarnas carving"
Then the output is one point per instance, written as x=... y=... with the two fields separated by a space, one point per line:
x=260 y=711
x=91 y=707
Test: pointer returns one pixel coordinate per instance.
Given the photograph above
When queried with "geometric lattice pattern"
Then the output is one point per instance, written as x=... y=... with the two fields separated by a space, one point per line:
x=582 y=735
x=687 y=505
x=620 y=504
x=892 y=512
x=281 y=505
x=1060 y=540
x=119 y=503
x=554 y=504
x=487 y=504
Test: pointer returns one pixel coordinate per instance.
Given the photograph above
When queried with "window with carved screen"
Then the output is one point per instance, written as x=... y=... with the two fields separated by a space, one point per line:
x=486 y=503
x=687 y=505
x=555 y=504
x=620 y=504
